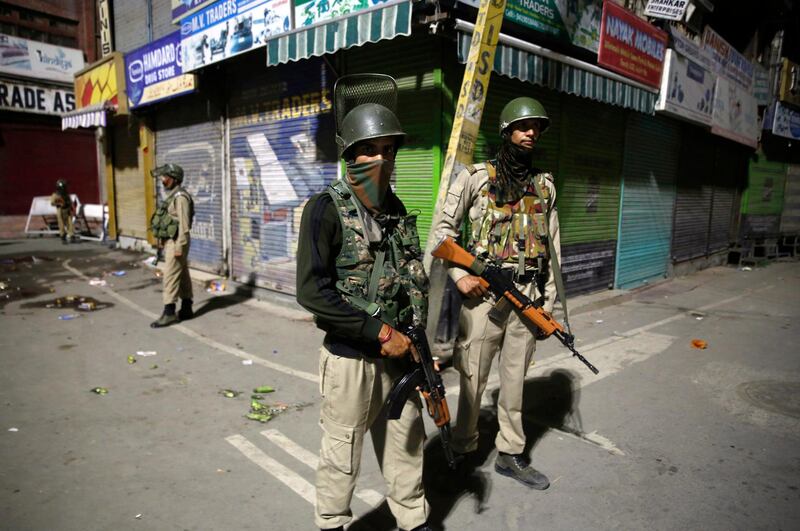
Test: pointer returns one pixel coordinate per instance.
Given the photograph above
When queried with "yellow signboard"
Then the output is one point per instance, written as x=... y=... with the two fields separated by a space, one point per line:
x=101 y=82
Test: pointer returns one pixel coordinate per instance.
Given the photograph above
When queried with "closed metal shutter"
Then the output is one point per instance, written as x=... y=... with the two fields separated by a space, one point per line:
x=694 y=194
x=129 y=181
x=282 y=151
x=790 y=217
x=130 y=24
x=588 y=183
x=652 y=146
x=189 y=133
x=762 y=202
x=418 y=162
x=730 y=165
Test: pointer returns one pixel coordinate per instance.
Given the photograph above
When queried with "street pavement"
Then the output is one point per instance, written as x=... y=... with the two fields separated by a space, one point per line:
x=667 y=436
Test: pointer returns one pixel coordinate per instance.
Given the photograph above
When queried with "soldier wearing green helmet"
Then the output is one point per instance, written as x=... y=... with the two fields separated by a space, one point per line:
x=64 y=211
x=509 y=205
x=359 y=271
x=171 y=224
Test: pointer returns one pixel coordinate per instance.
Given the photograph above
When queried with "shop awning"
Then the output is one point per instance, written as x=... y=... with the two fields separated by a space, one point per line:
x=528 y=62
x=370 y=25
x=89 y=116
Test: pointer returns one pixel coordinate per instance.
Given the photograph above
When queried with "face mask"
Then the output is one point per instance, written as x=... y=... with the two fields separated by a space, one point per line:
x=370 y=182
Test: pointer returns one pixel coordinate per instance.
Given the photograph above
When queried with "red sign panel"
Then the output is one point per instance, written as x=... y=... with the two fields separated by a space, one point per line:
x=631 y=46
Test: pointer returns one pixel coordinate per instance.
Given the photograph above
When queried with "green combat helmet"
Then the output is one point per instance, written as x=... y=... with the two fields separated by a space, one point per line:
x=369 y=120
x=170 y=170
x=522 y=109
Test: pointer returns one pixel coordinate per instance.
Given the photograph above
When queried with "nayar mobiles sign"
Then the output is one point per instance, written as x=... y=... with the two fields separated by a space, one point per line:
x=631 y=46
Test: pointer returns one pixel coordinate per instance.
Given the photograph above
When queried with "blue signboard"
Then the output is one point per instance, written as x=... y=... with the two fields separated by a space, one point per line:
x=155 y=72
x=182 y=8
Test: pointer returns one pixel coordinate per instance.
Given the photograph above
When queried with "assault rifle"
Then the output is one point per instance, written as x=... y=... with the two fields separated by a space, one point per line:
x=425 y=378
x=501 y=286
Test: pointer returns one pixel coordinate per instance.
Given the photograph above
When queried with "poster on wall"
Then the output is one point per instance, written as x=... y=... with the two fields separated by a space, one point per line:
x=25 y=97
x=735 y=114
x=282 y=152
x=154 y=72
x=22 y=57
x=231 y=27
x=309 y=12
x=631 y=46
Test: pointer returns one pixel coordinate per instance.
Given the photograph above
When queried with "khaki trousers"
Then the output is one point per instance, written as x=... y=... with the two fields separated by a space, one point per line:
x=65 y=227
x=353 y=394
x=177 y=282
x=479 y=340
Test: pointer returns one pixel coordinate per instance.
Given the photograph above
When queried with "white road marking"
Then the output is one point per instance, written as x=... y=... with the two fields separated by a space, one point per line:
x=239 y=353
x=292 y=480
x=368 y=496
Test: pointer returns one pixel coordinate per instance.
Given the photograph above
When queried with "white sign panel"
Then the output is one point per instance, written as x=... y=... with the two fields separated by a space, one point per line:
x=687 y=89
x=785 y=121
x=23 y=97
x=726 y=61
x=21 y=57
x=735 y=113
x=669 y=9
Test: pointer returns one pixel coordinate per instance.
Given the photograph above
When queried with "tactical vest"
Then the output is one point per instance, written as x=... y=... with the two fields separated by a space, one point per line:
x=387 y=279
x=506 y=229
x=165 y=226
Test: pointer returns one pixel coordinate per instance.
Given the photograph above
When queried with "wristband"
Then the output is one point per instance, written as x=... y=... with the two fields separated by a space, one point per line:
x=385 y=339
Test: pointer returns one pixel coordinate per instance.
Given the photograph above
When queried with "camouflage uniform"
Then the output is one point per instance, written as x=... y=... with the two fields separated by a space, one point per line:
x=495 y=232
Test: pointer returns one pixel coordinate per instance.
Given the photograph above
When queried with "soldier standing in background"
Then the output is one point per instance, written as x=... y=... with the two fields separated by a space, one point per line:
x=171 y=224
x=64 y=211
x=505 y=201
x=359 y=271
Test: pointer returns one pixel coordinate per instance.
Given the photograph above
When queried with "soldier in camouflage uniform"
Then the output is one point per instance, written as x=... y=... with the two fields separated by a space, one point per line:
x=506 y=226
x=359 y=272
x=64 y=210
x=171 y=224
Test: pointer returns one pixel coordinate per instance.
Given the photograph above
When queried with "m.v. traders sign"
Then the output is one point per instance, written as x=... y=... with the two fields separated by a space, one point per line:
x=155 y=71
x=631 y=46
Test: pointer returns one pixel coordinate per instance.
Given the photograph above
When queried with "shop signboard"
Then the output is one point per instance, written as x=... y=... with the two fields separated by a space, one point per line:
x=761 y=85
x=21 y=57
x=735 y=114
x=631 y=46
x=155 y=72
x=310 y=12
x=183 y=8
x=783 y=121
x=229 y=28
x=25 y=97
x=668 y=9
x=790 y=82
x=726 y=61
x=687 y=89
x=102 y=82
x=576 y=21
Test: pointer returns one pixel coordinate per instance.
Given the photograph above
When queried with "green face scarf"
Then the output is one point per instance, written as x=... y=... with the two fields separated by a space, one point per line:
x=370 y=182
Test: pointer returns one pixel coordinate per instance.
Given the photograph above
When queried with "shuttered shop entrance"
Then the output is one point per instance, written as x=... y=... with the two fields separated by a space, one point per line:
x=693 y=195
x=411 y=62
x=129 y=189
x=648 y=194
x=282 y=151
x=729 y=168
x=189 y=133
x=588 y=185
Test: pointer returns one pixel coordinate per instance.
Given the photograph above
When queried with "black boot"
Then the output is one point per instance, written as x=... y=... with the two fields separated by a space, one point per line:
x=517 y=467
x=167 y=318
x=186 y=312
x=64 y=240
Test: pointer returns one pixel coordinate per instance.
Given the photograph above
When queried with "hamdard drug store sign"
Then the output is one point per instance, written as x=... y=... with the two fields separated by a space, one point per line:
x=155 y=72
